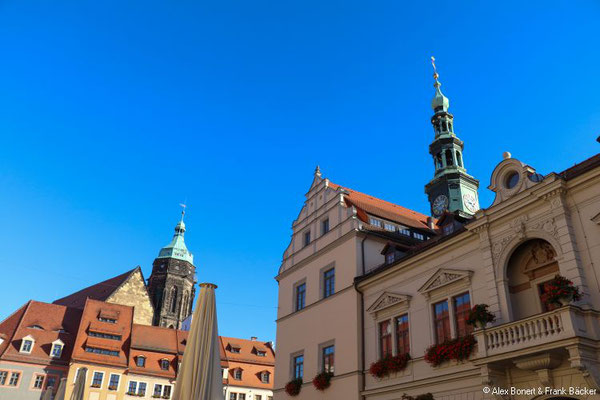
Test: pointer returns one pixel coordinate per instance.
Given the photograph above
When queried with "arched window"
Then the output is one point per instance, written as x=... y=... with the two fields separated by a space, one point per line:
x=449 y=158
x=439 y=160
x=173 y=299
x=531 y=265
x=459 y=159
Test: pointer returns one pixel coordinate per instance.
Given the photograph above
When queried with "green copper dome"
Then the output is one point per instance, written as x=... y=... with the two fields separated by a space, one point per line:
x=177 y=249
x=439 y=102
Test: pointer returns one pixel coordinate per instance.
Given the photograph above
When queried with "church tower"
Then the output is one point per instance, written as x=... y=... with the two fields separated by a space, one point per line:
x=451 y=188
x=171 y=284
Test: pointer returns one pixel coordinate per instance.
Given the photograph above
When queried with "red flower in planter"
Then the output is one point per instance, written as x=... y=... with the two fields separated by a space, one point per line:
x=560 y=288
x=388 y=365
x=322 y=381
x=454 y=349
x=293 y=387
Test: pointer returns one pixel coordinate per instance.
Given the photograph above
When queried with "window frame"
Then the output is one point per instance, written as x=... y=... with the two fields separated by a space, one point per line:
x=325 y=228
x=25 y=340
x=306 y=238
x=295 y=303
x=389 y=336
x=395 y=329
x=143 y=361
x=327 y=359
x=94 y=377
x=109 y=386
x=328 y=282
x=294 y=365
x=162 y=362
x=34 y=377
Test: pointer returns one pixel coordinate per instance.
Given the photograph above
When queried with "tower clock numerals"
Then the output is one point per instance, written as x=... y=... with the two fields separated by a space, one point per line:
x=470 y=202
x=439 y=205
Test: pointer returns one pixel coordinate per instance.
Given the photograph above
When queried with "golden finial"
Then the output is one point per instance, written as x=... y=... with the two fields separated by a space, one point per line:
x=435 y=74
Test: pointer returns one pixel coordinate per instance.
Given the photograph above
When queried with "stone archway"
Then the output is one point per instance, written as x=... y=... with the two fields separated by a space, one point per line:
x=530 y=265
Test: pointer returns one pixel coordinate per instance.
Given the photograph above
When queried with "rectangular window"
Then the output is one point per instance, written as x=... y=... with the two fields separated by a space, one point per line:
x=389 y=227
x=97 y=350
x=242 y=396
x=104 y=335
x=325 y=226
x=328 y=358
x=298 y=366
x=14 y=378
x=261 y=353
x=300 y=296
x=306 y=238
x=109 y=320
x=167 y=392
x=329 y=282
x=232 y=396
x=385 y=338
x=56 y=350
x=97 y=379
x=418 y=236
x=3 y=375
x=141 y=389
x=405 y=232
x=390 y=257
x=441 y=322
x=27 y=345
x=132 y=387
x=164 y=365
x=264 y=377
x=462 y=307
x=257 y=397
x=375 y=222
x=402 y=338
x=113 y=382
x=157 y=390
x=38 y=382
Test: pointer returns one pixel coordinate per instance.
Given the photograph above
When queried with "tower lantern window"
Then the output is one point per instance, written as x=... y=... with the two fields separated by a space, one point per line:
x=449 y=157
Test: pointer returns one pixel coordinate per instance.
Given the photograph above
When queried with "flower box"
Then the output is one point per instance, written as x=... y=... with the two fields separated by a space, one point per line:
x=479 y=316
x=388 y=365
x=95 y=385
x=560 y=291
x=112 y=388
x=322 y=381
x=293 y=387
x=454 y=349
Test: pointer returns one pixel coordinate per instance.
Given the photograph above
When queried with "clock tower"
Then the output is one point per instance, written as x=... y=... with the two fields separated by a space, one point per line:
x=451 y=188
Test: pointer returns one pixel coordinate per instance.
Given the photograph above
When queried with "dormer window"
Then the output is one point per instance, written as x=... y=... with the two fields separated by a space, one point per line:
x=265 y=376
x=109 y=320
x=390 y=257
x=27 y=344
x=237 y=374
x=234 y=348
x=375 y=222
x=511 y=180
x=37 y=327
x=419 y=236
x=261 y=353
x=140 y=361
x=164 y=364
x=389 y=227
x=57 y=348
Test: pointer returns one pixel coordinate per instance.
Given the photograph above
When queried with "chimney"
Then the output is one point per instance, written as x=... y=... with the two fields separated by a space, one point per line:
x=253 y=338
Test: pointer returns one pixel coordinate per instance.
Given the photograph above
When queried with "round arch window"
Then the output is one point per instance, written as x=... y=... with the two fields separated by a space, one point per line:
x=511 y=180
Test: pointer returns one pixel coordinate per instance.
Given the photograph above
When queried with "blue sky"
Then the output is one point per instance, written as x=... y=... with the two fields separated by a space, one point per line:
x=112 y=113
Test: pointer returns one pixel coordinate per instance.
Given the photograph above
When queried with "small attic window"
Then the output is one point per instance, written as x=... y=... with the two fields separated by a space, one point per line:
x=57 y=348
x=237 y=374
x=234 y=349
x=375 y=222
x=140 y=361
x=35 y=326
x=164 y=364
x=27 y=344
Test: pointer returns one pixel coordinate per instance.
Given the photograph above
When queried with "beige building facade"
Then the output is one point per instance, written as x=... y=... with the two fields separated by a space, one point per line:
x=364 y=279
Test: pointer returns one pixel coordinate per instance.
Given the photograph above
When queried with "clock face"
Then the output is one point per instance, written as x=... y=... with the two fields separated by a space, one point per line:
x=439 y=205
x=470 y=202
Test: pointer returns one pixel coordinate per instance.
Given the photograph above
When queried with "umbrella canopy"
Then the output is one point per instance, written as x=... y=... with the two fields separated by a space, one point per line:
x=79 y=386
x=200 y=375
x=60 y=392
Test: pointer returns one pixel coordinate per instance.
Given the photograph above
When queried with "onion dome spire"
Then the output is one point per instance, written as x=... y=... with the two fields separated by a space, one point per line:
x=177 y=248
x=439 y=102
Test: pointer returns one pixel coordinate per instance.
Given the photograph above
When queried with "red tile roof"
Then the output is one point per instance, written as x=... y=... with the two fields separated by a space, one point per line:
x=90 y=323
x=100 y=291
x=247 y=352
x=45 y=323
x=367 y=204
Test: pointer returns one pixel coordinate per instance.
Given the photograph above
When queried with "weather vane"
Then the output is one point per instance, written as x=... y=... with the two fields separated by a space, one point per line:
x=183 y=206
x=435 y=74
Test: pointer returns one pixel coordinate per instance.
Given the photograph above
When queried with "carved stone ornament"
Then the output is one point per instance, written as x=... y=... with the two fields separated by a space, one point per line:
x=387 y=300
x=444 y=277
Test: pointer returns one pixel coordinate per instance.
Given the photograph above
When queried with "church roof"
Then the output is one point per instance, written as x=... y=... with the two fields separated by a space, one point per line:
x=100 y=291
x=177 y=248
x=381 y=208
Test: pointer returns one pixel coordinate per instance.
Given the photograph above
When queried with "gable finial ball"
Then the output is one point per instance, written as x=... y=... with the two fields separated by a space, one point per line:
x=506 y=155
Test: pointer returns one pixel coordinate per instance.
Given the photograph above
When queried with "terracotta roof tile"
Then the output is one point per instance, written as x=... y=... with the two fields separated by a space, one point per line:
x=100 y=291
x=247 y=352
x=45 y=323
x=381 y=208
x=251 y=375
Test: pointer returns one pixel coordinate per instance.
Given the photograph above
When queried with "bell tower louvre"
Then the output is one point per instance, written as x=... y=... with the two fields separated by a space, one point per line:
x=452 y=188
x=171 y=284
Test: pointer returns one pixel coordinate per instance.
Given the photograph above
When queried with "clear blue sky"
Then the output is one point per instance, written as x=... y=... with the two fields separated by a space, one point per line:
x=113 y=112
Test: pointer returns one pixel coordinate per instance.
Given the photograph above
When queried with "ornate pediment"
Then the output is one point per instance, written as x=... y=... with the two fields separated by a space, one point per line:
x=445 y=277
x=386 y=300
